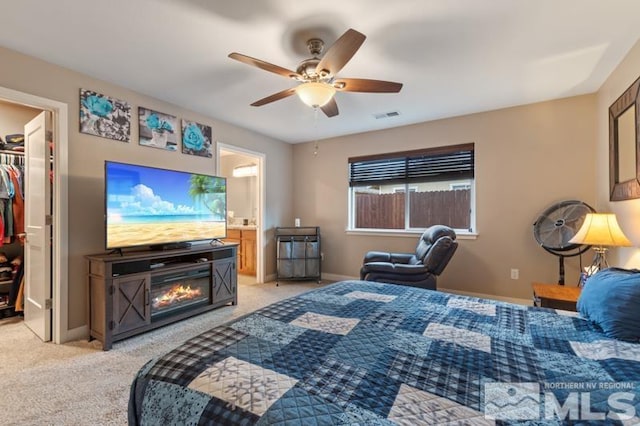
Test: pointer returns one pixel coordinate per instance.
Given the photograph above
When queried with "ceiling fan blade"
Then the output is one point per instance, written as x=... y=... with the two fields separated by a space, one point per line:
x=340 y=52
x=274 y=97
x=365 y=85
x=330 y=108
x=265 y=65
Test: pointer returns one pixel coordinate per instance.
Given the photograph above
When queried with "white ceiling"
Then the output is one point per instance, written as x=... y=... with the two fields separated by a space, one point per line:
x=454 y=57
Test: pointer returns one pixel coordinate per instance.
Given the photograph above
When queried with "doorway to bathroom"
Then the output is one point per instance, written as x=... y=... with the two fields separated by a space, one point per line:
x=244 y=171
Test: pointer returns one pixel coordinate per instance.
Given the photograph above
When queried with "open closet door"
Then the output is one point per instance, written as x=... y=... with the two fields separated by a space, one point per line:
x=37 y=249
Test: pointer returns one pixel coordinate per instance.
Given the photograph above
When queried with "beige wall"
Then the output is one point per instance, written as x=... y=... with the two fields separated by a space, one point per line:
x=628 y=211
x=87 y=154
x=527 y=158
x=14 y=116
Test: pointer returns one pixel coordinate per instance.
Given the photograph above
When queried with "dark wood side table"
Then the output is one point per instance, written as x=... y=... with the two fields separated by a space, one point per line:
x=555 y=296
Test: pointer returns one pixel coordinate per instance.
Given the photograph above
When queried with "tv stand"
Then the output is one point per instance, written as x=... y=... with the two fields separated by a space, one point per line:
x=170 y=246
x=134 y=292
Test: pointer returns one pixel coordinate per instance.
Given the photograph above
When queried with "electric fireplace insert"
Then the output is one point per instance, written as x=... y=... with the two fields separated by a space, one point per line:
x=178 y=291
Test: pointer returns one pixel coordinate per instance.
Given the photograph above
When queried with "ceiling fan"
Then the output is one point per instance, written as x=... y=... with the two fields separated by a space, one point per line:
x=317 y=75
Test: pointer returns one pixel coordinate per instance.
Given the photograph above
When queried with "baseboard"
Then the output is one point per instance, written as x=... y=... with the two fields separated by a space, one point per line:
x=328 y=277
x=337 y=277
x=527 y=302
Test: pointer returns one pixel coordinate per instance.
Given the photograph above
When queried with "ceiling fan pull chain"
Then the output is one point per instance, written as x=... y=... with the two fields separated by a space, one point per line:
x=315 y=131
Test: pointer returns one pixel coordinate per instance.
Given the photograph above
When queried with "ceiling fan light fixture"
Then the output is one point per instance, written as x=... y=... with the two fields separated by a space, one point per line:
x=315 y=94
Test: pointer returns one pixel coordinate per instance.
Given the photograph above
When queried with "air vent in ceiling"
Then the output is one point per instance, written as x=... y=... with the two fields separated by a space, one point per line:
x=386 y=115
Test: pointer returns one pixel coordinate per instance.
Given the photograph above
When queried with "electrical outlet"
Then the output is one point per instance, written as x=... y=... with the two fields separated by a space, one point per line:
x=515 y=274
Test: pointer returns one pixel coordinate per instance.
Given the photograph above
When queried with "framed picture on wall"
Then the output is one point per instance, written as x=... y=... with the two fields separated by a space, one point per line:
x=104 y=116
x=196 y=139
x=157 y=130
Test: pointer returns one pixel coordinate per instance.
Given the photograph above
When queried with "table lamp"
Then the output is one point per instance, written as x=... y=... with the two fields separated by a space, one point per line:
x=600 y=230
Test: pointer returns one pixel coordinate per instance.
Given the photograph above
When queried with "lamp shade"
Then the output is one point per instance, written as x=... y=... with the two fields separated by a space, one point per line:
x=315 y=94
x=600 y=229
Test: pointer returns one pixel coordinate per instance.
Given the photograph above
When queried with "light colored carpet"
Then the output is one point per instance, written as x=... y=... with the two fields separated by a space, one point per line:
x=79 y=384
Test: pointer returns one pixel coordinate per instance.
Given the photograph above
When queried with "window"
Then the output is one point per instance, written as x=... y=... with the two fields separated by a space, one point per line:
x=413 y=189
x=463 y=185
x=404 y=189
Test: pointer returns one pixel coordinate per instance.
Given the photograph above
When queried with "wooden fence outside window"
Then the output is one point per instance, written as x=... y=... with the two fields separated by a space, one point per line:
x=386 y=211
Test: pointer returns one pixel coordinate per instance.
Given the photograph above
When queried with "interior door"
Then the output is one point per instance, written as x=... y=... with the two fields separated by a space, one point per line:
x=37 y=248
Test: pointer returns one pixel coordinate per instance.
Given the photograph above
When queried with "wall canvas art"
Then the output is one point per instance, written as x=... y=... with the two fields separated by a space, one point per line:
x=196 y=139
x=158 y=130
x=103 y=116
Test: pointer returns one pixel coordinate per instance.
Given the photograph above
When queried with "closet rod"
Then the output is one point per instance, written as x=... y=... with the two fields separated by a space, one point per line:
x=20 y=154
x=10 y=157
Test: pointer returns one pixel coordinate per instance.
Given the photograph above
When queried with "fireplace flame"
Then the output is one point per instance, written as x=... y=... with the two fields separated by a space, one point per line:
x=176 y=294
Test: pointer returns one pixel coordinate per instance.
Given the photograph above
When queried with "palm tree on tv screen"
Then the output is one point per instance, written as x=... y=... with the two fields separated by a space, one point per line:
x=210 y=192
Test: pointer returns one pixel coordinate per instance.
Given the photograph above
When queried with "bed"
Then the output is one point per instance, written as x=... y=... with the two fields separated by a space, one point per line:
x=358 y=352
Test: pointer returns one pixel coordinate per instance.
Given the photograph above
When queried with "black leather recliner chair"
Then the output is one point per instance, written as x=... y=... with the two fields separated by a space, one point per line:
x=420 y=269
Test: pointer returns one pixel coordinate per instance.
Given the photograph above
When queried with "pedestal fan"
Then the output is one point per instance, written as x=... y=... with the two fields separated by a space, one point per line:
x=557 y=225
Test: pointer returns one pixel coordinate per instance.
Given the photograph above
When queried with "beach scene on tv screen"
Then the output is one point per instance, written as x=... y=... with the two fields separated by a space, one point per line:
x=148 y=206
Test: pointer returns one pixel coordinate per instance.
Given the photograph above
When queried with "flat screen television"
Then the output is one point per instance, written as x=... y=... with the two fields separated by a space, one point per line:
x=148 y=206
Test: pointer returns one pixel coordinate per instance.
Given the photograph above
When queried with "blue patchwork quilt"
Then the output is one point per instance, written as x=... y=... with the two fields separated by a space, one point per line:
x=364 y=353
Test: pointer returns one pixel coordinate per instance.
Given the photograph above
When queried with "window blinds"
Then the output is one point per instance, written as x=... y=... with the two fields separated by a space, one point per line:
x=426 y=165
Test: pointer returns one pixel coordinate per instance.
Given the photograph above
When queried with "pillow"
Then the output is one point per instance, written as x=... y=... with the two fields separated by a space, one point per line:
x=611 y=299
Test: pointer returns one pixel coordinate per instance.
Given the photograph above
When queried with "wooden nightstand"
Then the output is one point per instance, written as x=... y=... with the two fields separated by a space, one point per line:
x=555 y=296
